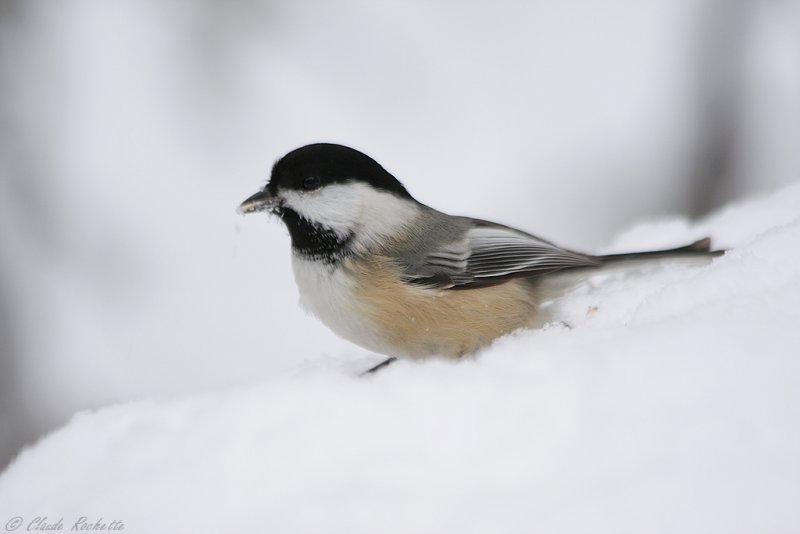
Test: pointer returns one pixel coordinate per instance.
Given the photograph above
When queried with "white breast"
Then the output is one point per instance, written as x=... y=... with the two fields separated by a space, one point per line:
x=328 y=293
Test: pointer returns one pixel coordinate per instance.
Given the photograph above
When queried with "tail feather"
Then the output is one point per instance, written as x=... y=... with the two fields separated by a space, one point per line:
x=699 y=249
x=556 y=284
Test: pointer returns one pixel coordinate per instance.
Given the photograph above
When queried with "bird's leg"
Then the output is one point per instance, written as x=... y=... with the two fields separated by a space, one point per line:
x=381 y=365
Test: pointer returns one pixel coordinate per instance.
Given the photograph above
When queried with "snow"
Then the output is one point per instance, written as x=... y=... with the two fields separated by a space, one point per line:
x=669 y=404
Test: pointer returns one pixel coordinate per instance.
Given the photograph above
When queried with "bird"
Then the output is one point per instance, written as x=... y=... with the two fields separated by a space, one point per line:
x=399 y=278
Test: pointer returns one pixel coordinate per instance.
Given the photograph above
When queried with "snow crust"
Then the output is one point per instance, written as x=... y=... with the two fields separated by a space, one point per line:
x=670 y=404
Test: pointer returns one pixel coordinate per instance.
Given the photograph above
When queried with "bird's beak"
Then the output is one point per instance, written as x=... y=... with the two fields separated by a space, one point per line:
x=261 y=201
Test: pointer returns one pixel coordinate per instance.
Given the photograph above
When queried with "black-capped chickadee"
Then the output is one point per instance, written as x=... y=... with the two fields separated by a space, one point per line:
x=399 y=278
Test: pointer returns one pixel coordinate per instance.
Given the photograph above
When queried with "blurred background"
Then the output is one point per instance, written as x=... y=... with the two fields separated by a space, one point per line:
x=130 y=131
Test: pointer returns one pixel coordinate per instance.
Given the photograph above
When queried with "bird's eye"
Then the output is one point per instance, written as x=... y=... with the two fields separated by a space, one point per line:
x=310 y=182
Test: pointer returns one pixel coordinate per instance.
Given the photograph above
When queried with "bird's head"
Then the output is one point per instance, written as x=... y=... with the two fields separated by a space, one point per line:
x=329 y=195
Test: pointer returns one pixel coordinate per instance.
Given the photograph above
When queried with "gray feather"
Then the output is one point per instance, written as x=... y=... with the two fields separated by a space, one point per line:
x=460 y=253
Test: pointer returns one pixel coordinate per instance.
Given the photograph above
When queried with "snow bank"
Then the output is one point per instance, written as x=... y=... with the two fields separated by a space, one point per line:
x=671 y=405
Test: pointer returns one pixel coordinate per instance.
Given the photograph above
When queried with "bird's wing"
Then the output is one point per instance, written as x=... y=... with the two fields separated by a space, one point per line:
x=488 y=254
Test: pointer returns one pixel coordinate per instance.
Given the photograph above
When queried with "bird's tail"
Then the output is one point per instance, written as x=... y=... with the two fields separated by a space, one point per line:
x=699 y=250
x=558 y=283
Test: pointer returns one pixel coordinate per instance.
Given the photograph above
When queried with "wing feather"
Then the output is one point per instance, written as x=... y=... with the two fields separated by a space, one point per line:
x=487 y=254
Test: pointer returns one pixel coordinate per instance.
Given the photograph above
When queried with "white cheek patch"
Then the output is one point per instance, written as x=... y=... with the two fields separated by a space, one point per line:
x=336 y=206
x=353 y=209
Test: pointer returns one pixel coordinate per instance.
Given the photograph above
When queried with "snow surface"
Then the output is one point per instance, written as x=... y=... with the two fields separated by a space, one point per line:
x=672 y=404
